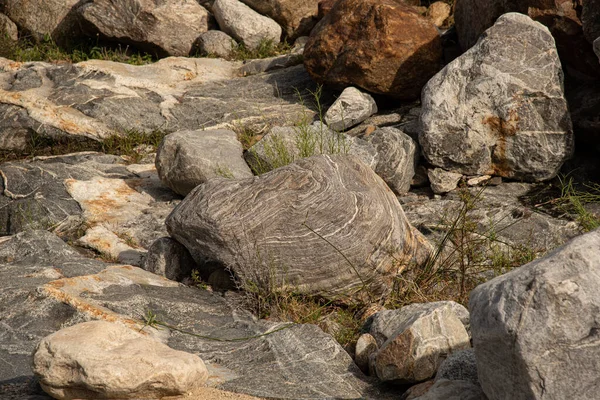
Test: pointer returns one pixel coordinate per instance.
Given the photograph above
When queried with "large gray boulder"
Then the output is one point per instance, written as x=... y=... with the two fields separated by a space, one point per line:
x=244 y=24
x=45 y=285
x=168 y=28
x=500 y=108
x=535 y=329
x=325 y=225
x=100 y=359
x=186 y=159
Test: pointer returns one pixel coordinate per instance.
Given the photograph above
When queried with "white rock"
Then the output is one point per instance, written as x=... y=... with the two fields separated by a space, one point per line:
x=536 y=329
x=443 y=181
x=244 y=24
x=350 y=109
x=103 y=360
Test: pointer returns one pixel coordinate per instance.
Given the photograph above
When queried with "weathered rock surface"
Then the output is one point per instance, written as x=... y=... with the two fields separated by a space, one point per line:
x=42 y=290
x=439 y=12
x=443 y=181
x=186 y=159
x=244 y=24
x=8 y=28
x=383 y=47
x=453 y=390
x=267 y=241
x=96 y=99
x=215 y=43
x=397 y=157
x=414 y=340
x=535 y=329
x=296 y=17
x=510 y=98
x=351 y=108
x=166 y=257
x=459 y=366
x=56 y=18
x=562 y=17
x=99 y=359
x=283 y=145
x=365 y=346
x=158 y=27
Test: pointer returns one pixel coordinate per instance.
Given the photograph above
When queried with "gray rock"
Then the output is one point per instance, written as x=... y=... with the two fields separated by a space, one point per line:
x=443 y=181
x=45 y=286
x=8 y=28
x=331 y=205
x=244 y=24
x=99 y=359
x=520 y=127
x=215 y=43
x=453 y=390
x=535 y=329
x=459 y=366
x=168 y=258
x=284 y=145
x=154 y=26
x=365 y=346
x=186 y=159
x=351 y=108
x=397 y=157
x=253 y=67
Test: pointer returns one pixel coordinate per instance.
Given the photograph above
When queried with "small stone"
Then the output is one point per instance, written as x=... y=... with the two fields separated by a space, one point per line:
x=443 y=181
x=100 y=359
x=365 y=346
x=214 y=43
x=169 y=258
x=350 y=109
x=460 y=365
x=478 y=180
x=453 y=390
x=439 y=12
x=8 y=28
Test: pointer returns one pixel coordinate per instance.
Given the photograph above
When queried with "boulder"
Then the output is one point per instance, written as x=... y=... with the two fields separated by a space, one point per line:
x=590 y=19
x=261 y=229
x=214 y=43
x=296 y=17
x=443 y=181
x=382 y=46
x=39 y=18
x=562 y=17
x=459 y=366
x=166 y=257
x=157 y=27
x=284 y=145
x=8 y=28
x=508 y=91
x=99 y=359
x=186 y=159
x=535 y=329
x=417 y=339
x=445 y=389
x=45 y=286
x=350 y=109
x=244 y=24
x=397 y=157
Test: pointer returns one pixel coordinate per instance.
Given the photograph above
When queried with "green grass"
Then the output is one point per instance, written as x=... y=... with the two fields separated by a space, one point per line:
x=574 y=198
x=46 y=50
x=266 y=48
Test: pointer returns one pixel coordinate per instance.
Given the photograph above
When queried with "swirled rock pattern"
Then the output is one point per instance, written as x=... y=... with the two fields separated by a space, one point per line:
x=324 y=225
x=500 y=109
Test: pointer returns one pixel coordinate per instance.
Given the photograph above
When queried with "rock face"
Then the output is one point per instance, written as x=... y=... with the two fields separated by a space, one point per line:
x=52 y=286
x=296 y=17
x=185 y=159
x=166 y=28
x=99 y=359
x=414 y=340
x=383 y=47
x=511 y=99
x=351 y=108
x=562 y=17
x=266 y=242
x=244 y=24
x=535 y=329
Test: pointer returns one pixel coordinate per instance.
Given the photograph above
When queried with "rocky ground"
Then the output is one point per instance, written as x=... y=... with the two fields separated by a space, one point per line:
x=299 y=199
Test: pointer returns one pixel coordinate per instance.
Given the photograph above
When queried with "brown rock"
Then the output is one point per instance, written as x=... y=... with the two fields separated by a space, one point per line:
x=439 y=12
x=296 y=17
x=562 y=17
x=382 y=46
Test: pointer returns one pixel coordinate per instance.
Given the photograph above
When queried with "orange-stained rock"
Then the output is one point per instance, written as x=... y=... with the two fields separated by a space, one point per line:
x=382 y=46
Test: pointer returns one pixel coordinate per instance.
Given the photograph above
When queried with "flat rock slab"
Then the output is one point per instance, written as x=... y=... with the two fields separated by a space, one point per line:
x=96 y=99
x=44 y=288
